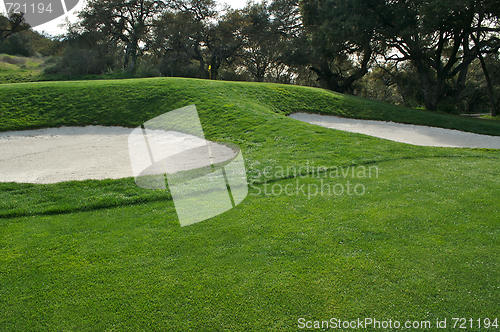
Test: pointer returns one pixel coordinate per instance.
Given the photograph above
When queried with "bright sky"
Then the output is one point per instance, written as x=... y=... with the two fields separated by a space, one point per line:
x=53 y=27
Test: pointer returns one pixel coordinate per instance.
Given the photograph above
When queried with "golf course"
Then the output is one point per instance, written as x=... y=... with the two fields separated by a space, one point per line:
x=366 y=227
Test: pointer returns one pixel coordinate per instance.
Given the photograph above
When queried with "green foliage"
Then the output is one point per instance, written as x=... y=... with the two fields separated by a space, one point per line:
x=129 y=23
x=429 y=47
x=11 y=25
x=225 y=43
x=176 y=45
x=87 y=53
x=183 y=38
x=476 y=97
x=338 y=31
x=46 y=45
x=19 y=44
x=439 y=38
x=391 y=84
x=262 y=49
x=30 y=43
x=75 y=61
x=15 y=35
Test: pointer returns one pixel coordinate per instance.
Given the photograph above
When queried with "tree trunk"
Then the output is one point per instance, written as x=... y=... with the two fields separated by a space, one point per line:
x=260 y=74
x=485 y=69
x=133 y=57
x=327 y=79
x=335 y=81
x=131 y=67
x=488 y=85
x=214 y=67
x=127 y=57
x=430 y=89
x=431 y=93
x=360 y=72
x=431 y=100
x=402 y=94
x=199 y=56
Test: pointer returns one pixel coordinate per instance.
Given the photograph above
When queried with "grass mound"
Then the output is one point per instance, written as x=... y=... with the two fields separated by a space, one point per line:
x=130 y=102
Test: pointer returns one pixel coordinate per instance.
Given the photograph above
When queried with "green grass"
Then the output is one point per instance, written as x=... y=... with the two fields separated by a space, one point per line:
x=130 y=102
x=489 y=117
x=15 y=69
x=18 y=69
x=421 y=243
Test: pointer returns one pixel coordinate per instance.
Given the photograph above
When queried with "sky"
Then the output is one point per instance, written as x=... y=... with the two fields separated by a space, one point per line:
x=53 y=27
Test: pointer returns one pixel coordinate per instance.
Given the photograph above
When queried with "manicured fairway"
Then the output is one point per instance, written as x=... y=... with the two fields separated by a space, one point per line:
x=420 y=244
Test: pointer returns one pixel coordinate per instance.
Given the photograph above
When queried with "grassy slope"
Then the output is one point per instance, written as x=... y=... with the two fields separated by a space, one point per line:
x=133 y=101
x=422 y=242
x=18 y=69
x=14 y=69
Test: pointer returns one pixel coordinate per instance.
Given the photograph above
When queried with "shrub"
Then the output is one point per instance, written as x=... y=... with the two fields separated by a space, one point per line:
x=19 y=43
x=13 y=60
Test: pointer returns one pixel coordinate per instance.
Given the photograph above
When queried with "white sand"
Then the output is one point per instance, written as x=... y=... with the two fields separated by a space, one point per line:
x=411 y=134
x=64 y=154
x=79 y=153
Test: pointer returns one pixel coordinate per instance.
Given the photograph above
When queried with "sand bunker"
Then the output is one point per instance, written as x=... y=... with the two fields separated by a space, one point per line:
x=404 y=133
x=64 y=154
x=80 y=153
